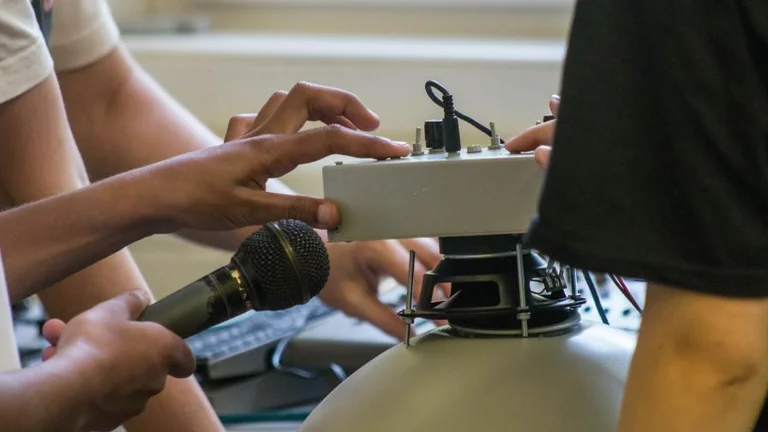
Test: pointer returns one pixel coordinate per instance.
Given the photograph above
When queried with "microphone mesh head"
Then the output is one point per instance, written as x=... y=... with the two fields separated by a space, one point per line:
x=285 y=264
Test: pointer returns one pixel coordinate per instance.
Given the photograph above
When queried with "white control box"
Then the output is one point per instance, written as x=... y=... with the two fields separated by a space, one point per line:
x=484 y=191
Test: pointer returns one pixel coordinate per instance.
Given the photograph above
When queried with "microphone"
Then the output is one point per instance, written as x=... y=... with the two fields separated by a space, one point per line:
x=283 y=264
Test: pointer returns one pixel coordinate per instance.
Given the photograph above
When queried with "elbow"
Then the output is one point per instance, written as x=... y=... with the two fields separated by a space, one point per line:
x=728 y=362
x=740 y=372
x=712 y=341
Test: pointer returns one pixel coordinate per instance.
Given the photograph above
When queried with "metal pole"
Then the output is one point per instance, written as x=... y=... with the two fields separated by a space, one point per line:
x=409 y=298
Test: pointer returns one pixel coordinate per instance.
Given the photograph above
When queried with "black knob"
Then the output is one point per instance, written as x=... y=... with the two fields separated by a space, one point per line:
x=433 y=134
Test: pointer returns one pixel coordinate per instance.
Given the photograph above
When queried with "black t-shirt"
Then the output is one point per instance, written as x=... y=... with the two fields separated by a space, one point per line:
x=660 y=162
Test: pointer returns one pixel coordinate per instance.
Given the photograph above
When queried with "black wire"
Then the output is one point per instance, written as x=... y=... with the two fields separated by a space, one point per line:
x=431 y=85
x=593 y=290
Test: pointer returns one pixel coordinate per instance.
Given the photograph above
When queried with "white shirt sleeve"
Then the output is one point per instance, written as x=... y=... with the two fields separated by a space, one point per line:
x=24 y=58
x=83 y=31
x=9 y=352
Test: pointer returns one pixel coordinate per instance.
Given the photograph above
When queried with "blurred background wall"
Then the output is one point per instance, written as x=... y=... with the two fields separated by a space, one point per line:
x=500 y=58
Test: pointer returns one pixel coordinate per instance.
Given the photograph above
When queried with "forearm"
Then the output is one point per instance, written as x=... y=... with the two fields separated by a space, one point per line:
x=40 y=160
x=695 y=370
x=181 y=407
x=44 y=242
x=40 y=399
x=87 y=225
x=152 y=127
x=56 y=238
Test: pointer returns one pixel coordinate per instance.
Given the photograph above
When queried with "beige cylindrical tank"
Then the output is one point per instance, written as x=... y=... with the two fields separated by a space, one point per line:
x=448 y=383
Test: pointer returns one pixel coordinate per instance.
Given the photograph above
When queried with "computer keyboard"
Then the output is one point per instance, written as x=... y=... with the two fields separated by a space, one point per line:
x=242 y=346
x=28 y=318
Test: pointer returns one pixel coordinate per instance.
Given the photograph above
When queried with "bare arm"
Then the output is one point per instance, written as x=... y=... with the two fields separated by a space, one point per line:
x=219 y=188
x=122 y=119
x=21 y=400
x=46 y=241
x=40 y=159
x=700 y=364
x=126 y=364
x=107 y=100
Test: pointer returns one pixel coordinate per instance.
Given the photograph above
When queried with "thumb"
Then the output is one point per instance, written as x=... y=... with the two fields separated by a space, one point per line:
x=52 y=330
x=128 y=305
x=542 y=155
x=318 y=213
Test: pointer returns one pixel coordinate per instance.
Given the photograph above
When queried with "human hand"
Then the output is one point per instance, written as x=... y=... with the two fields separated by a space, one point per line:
x=224 y=187
x=116 y=363
x=287 y=112
x=538 y=138
x=356 y=268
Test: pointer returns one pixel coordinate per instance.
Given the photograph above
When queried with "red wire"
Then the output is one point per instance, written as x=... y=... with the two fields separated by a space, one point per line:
x=624 y=290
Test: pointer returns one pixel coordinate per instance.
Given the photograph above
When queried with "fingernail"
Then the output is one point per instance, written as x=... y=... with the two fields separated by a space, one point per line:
x=400 y=143
x=143 y=296
x=325 y=214
x=555 y=98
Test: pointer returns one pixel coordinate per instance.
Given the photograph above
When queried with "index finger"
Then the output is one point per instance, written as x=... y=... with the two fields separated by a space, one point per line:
x=381 y=316
x=532 y=138
x=394 y=261
x=428 y=253
x=182 y=361
x=175 y=353
x=311 y=102
x=287 y=152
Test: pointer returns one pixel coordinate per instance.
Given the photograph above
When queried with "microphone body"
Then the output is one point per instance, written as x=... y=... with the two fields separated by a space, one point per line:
x=283 y=264
x=213 y=299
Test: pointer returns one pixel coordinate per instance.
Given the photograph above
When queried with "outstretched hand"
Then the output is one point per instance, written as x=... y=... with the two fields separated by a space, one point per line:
x=537 y=138
x=288 y=112
x=356 y=268
x=224 y=187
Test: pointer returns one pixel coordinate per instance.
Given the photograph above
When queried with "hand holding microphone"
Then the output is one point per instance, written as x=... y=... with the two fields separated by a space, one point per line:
x=108 y=365
x=120 y=345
